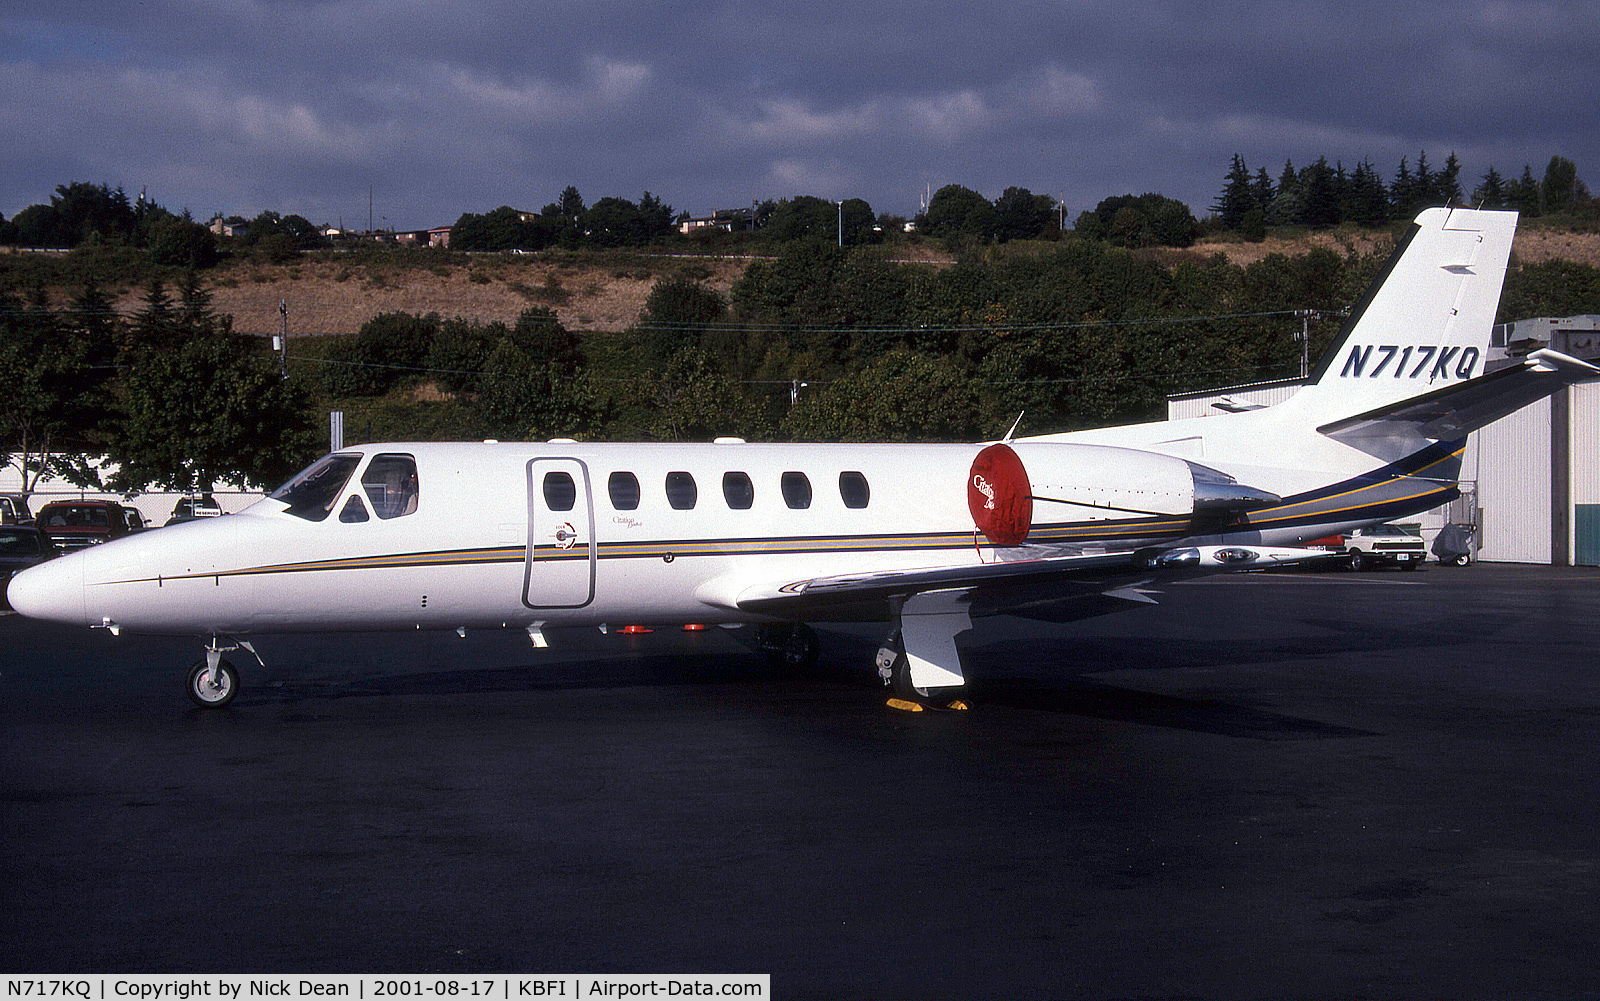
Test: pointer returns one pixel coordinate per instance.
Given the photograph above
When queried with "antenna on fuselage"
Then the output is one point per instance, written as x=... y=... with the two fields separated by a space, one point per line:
x=1013 y=432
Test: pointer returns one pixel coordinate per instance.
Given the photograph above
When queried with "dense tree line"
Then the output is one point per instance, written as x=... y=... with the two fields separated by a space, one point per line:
x=566 y=222
x=81 y=213
x=1321 y=195
x=171 y=395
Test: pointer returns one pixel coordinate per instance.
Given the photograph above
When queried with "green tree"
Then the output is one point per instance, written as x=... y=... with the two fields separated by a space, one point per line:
x=524 y=396
x=678 y=310
x=207 y=406
x=1560 y=186
x=805 y=217
x=958 y=212
x=1022 y=215
x=389 y=348
x=459 y=352
x=903 y=396
x=1447 y=183
x=1321 y=189
x=692 y=399
x=57 y=371
x=1238 y=195
x=1491 y=190
x=179 y=241
x=1523 y=193
x=1366 y=200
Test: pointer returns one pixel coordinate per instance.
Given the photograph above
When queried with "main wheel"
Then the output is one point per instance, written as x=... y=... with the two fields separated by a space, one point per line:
x=1356 y=560
x=216 y=693
x=794 y=647
x=1462 y=560
x=900 y=683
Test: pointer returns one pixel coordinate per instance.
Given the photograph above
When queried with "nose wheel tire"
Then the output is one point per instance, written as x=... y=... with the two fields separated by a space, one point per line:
x=1357 y=561
x=213 y=693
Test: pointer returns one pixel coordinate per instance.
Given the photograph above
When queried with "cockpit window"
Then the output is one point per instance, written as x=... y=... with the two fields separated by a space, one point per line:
x=353 y=510
x=391 y=484
x=310 y=495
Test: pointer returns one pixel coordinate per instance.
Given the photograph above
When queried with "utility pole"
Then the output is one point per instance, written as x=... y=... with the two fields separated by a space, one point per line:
x=841 y=224
x=1305 y=316
x=283 y=336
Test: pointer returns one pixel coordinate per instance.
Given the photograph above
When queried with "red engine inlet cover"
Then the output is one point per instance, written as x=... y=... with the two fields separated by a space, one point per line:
x=1000 y=496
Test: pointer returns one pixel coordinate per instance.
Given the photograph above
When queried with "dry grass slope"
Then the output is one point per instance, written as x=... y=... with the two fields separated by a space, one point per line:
x=333 y=297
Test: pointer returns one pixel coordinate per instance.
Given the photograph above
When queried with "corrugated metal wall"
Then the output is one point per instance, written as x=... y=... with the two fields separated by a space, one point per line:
x=1586 y=473
x=1513 y=462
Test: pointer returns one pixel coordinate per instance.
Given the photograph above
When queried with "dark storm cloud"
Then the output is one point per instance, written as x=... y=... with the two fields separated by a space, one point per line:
x=448 y=106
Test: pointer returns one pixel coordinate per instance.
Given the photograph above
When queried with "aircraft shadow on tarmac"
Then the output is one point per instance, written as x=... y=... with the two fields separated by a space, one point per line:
x=1057 y=684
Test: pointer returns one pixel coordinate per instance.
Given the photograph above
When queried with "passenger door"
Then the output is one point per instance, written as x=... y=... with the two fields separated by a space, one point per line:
x=561 y=543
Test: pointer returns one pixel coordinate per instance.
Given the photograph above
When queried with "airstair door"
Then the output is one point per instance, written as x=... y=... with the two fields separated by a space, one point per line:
x=561 y=543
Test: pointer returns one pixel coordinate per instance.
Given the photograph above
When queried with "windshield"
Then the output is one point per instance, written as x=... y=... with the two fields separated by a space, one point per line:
x=14 y=543
x=310 y=495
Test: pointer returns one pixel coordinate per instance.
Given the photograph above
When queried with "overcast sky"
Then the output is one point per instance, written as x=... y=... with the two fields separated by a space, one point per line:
x=450 y=106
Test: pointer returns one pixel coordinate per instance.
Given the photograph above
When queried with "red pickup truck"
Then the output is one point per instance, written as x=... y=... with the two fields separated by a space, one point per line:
x=79 y=523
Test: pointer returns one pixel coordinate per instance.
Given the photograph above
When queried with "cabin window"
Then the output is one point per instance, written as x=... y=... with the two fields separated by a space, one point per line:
x=624 y=490
x=560 y=493
x=796 y=490
x=391 y=484
x=681 y=491
x=738 y=491
x=310 y=495
x=853 y=489
x=353 y=510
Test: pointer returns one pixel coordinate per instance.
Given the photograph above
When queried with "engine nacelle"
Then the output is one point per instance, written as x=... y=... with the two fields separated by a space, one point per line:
x=1012 y=485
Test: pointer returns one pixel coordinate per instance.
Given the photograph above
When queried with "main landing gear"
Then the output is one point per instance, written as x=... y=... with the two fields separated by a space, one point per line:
x=214 y=681
x=918 y=660
x=894 y=667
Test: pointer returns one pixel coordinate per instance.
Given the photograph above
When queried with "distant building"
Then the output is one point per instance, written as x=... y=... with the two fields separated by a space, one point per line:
x=727 y=220
x=222 y=227
x=439 y=236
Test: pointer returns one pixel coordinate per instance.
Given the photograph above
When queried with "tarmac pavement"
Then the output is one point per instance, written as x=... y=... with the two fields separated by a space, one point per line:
x=1288 y=785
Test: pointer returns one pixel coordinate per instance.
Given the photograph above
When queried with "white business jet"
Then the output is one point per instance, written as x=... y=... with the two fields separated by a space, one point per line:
x=924 y=537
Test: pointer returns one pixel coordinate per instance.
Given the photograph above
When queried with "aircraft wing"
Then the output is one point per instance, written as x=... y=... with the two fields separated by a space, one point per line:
x=1037 y=588
x=1454 y=411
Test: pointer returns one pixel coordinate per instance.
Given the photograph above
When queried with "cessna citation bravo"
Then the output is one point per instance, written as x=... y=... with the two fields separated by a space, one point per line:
x=927 y=538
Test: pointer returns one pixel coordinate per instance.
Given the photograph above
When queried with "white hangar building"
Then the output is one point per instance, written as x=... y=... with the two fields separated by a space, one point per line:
x=1530 y=482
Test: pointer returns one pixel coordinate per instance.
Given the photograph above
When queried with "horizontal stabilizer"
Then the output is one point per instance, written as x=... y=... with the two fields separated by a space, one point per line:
x=1453 y=411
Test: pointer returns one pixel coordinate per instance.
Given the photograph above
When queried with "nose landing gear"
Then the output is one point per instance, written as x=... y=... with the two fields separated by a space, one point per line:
x=213 y=681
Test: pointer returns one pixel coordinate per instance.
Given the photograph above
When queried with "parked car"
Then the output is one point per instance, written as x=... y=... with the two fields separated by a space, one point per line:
x=190 y=508
x=1376 y=545
x=14 y=510
x=21 y=546
x=136 y=522
x=80 y=523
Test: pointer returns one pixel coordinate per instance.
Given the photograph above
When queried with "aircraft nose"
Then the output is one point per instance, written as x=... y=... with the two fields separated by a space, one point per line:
x=51 y=591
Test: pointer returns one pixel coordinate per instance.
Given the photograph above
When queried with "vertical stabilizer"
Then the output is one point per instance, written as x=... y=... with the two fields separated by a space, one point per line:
x=1424 y=323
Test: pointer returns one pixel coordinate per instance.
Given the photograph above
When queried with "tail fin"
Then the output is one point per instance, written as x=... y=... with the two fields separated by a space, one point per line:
x=1424 y=323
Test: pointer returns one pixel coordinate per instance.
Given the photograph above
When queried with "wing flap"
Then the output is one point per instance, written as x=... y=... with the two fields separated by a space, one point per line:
x=1018 y=582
